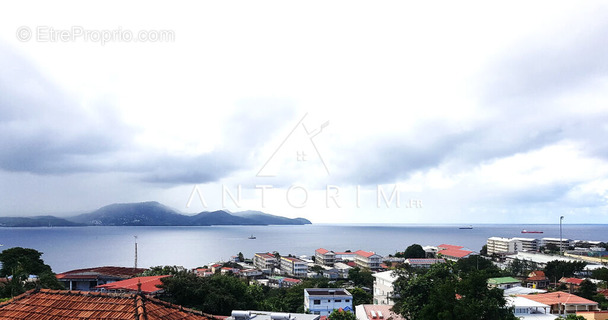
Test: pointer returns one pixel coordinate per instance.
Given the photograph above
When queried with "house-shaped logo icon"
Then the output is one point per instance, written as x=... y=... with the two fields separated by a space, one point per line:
x=297 y=152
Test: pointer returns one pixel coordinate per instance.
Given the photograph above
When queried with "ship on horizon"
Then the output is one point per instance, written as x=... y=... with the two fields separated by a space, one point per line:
x=530 y=231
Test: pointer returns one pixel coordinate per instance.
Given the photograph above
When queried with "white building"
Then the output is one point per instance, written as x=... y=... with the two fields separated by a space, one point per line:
x=266 y=315
x=323 y=301
x=294 y=267
x=376 y=312
x=555 y=241
x=325 y=257
x=383 y=287
x=423 y=263
x=265 y=262
x=525 y=308
x=367 y=259
x=344 y=256
x=497 y=245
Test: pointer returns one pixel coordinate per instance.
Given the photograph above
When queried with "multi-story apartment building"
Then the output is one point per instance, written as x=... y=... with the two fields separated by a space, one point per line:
x=324 y=301
x=383 y=287
x=325 y=257
x=555 y=241
x=368 y=259
x=265 y=262
x=294 y=267
x=497 y=245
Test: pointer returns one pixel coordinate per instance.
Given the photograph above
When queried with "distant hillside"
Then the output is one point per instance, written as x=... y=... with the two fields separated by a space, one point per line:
x=40 y=221
x=156 y=214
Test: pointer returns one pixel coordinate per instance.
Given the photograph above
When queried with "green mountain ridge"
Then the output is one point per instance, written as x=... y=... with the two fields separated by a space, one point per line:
x=151 y=213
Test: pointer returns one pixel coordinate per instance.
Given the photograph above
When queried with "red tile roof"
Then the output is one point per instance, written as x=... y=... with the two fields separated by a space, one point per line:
x=322 y=251
x=74 y=305
x=558 y=297
x=148 y=284
x=537 y=273
x=574 y=281
x=457 y=253
x=449 y=246
x=366 y=254
x=94 y=273
x=292 y=280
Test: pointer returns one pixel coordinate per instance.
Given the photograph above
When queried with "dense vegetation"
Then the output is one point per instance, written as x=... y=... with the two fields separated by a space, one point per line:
x=17 y=265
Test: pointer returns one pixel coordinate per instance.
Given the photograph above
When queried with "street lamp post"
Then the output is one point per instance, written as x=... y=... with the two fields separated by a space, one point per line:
x=561 y=248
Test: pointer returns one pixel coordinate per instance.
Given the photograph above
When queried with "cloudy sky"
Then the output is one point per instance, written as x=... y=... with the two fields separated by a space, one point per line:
x=472 y=112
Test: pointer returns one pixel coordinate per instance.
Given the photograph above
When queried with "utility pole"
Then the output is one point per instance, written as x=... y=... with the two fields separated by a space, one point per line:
x=135 y=251
x=561 y=248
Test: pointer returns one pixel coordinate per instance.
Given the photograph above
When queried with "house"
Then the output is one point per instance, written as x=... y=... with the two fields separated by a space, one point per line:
x=323 y=301
x=524 y=308
x=514 y=291
x=294 y=267
x=203 y=272
x=383 y=287
x=44 y=304
x=571 y=283
x=282 y=282
x=87 y=279
x=503 y=283
x=537 y=280
x=228 y=270
x=367 y=259
x=344 y=256
x=250 y=273
x=593 y=315
x=563 y=303
x=376 y=312
x=452 y=252
x=215 y=268
x=342 y=269
x=267 y=315
x=147 y=285
x=325 y=257
x=265 y=262
x=423 y=263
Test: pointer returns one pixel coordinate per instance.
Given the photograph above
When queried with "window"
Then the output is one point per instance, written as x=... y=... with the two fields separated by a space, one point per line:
x=317 y=302
x=338 y=300
x=347 y=300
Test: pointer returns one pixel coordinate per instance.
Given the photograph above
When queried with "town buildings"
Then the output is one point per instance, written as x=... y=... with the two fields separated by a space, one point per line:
x=87 y=279
x=323 y=301
x=368 y=259
x=294 y=267
x=266 y=262
x=498 y=245
x=325 y=257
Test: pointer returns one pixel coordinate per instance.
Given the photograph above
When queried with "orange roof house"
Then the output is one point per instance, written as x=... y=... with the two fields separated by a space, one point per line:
x=147 y=285
x=562 y=301
x=452 y=252
x=46 y=304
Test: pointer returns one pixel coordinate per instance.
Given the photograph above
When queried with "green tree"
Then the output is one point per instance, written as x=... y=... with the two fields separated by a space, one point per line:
x=360 y=296
x=339 y=314
x=556 y=269
x=587 y=289
x=241 y=257
x=477 y=263
x=441 y=293
x=484 y=250
x=414 y=251
x=20 y=263
x=600 y=274
x=163 y=271
x=361 y=278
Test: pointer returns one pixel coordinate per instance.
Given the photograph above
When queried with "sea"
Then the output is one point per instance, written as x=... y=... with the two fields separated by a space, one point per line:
x=68 y=248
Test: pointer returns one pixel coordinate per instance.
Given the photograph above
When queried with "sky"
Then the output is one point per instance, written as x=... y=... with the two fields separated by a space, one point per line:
x=340 y=112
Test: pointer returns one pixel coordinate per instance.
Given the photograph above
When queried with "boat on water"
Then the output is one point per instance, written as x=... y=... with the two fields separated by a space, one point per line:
x=251 y=237
x=530 y=231
x=466 y=228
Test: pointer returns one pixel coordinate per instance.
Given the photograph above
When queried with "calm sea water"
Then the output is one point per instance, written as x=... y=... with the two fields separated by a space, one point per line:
x=81 y=247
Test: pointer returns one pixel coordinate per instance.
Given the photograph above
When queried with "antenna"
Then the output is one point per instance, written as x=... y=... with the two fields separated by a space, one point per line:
x=135 y=252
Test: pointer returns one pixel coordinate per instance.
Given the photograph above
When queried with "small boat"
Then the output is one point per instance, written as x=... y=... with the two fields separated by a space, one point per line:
x=466 y=228
x=526 y=231
x=251 y=237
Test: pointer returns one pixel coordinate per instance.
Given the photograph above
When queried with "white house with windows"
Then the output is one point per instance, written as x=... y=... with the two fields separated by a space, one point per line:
x=323 y=301
x=383 y=287
x=294 y=267
x=367 y=259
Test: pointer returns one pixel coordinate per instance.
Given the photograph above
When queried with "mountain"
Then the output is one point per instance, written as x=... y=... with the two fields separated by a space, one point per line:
x=40 y=221
x=156 y=214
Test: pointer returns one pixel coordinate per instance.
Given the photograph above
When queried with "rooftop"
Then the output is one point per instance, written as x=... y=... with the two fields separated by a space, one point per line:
x=366 y=254
x=457 y=253
x=502 y=280
x=322 y=251
x=148 y=284
x=558 y=297
x=267 y=315
x=424 y=261
x=389 y=276
x=119 y=272
x=378 y=312
x=60 y=304
x=449 y=246
x=575 y=281
x=265 y=255
x=327 y=292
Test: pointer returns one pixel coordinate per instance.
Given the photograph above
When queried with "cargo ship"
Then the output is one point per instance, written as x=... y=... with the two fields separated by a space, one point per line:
x=526 y=231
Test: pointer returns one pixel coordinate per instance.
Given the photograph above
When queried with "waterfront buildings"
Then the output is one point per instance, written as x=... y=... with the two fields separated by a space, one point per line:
x=266 y=262
x=294 y=267
x=367 y=259
x=498 y=245
x=325 y=257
